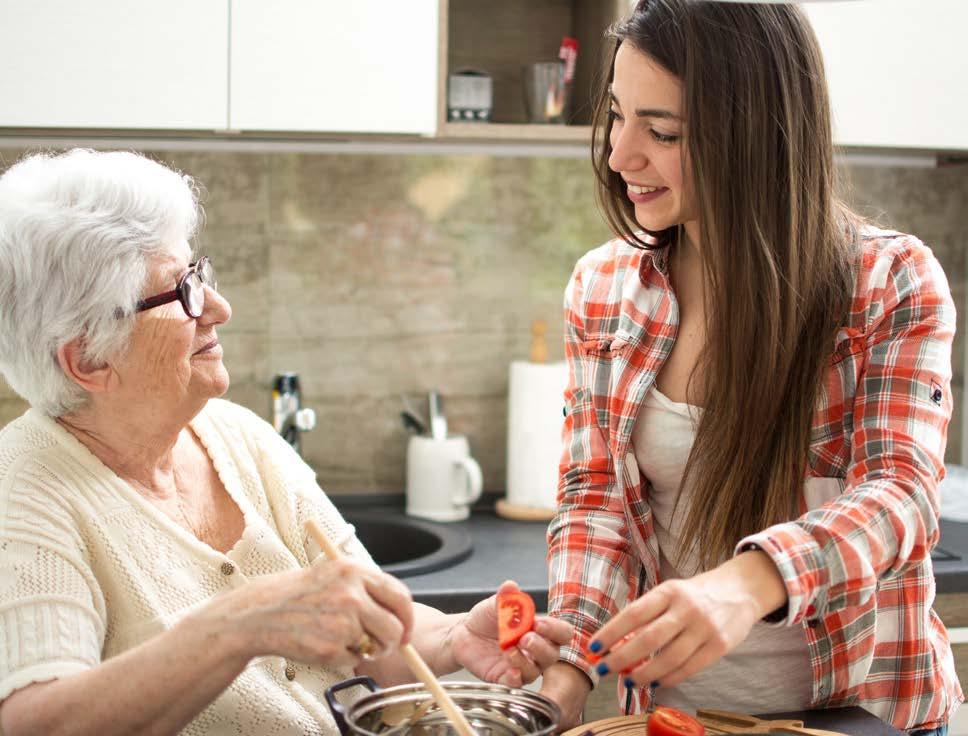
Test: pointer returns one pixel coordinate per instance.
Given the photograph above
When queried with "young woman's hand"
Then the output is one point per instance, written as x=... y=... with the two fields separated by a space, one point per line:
x=317 y=615
x=475 y=645
x=682 y=626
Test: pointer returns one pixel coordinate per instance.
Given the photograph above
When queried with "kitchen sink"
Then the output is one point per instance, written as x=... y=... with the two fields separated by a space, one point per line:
x=404 y=546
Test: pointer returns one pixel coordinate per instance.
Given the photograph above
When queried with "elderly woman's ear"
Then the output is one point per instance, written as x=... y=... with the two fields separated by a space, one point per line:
x=89 y=376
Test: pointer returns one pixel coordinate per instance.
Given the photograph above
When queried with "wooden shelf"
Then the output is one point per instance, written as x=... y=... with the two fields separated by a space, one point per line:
x=501 y=37
x=517 y=132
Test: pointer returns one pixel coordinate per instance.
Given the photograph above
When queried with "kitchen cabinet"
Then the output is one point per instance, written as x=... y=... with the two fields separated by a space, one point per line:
x=133 y=64
x=896 y=71
x=322 y=67
x=334 y=66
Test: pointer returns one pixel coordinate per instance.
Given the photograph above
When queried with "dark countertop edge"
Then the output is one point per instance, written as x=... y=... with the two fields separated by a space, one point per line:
x=396 y=501
x=461 y=601
x=951 y=576
x=951 y=582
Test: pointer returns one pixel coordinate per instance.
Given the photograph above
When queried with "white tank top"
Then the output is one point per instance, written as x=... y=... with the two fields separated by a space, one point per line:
x=770 y=671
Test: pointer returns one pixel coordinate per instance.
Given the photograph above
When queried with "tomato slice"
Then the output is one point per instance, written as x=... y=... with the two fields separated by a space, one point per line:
x=515 y=617
x=665 y=721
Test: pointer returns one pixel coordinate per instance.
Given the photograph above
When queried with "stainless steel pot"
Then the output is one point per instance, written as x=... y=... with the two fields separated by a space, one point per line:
x=493 y=710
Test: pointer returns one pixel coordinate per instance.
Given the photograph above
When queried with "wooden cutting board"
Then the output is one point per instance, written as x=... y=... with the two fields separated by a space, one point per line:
x=716 y=723
x=618 y=726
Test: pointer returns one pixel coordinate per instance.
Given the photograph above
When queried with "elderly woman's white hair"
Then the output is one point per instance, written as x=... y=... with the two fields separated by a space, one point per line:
x=76 y=233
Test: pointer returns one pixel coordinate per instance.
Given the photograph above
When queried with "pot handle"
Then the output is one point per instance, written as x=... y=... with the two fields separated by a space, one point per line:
x=339 y=712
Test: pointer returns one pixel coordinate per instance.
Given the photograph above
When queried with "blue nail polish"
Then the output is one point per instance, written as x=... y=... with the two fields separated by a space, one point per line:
x=602 y=668
x=629 y=683
x=595 y=647
x=654 y=684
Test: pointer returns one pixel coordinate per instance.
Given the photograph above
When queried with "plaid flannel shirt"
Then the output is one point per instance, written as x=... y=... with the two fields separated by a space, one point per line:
x=856 y=564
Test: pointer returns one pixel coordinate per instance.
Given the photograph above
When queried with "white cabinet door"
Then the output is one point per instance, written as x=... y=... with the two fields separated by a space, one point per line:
x=898 y=71
x=114 y=64
x=366 y=66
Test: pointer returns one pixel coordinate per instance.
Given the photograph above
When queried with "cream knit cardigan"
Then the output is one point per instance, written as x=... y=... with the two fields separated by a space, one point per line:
x=89 y=568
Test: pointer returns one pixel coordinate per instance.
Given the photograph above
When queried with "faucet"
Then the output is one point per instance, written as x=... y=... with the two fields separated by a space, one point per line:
x=288 y=417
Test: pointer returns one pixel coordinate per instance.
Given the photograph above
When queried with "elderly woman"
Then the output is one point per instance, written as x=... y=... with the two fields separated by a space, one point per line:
x=155 y=575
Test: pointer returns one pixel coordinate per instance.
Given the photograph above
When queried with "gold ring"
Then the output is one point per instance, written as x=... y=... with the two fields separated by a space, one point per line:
x=365 y=647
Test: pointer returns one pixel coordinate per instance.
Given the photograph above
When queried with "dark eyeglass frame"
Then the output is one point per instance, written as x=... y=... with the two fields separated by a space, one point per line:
x=181 y=290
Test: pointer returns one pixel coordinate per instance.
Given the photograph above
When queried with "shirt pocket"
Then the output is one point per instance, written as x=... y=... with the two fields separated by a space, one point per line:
x=603 y=356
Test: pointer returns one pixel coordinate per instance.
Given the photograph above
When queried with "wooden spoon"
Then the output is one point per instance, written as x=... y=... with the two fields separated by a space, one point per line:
x=411 y=655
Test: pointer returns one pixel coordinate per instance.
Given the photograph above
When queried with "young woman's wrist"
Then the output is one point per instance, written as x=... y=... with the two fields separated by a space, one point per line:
x=762 y=581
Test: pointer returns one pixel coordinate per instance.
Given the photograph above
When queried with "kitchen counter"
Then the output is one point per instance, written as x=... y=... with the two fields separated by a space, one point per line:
x=516 y=550
x=503 y=550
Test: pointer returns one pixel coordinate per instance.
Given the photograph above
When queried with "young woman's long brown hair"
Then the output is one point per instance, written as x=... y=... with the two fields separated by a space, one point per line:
x=776 y=246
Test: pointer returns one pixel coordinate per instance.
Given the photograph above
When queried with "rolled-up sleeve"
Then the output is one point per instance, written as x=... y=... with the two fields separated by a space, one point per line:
x=588 y=548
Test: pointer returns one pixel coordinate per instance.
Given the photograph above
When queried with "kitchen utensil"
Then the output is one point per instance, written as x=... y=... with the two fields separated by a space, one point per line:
x=438 y=422
x=443 y=480
x=617 y=726
x=496 y=710
x=412 y=423
x=410 y=655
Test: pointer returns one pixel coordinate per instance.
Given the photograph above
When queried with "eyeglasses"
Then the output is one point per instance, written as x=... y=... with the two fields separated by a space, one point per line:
x=190 y=290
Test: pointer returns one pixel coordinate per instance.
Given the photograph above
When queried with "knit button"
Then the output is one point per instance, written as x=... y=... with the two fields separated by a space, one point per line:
x=227 y=568
x=811 y=610
x=290 y=671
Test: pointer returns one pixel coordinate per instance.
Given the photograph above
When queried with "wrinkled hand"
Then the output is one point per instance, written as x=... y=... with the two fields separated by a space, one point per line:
x=568 y=687
x=475 y=645
x=682 y=626
x=318 y=614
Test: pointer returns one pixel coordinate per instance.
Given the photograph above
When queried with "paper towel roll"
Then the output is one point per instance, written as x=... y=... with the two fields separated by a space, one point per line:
x=535 y=401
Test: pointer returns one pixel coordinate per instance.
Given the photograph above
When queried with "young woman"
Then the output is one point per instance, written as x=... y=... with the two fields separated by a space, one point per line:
x=758 y=400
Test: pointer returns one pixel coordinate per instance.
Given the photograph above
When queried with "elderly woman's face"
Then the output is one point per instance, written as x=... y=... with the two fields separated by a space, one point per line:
x=170 y=355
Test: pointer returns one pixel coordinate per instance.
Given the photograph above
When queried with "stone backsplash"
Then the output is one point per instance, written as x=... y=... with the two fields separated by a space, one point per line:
x=374 y=276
